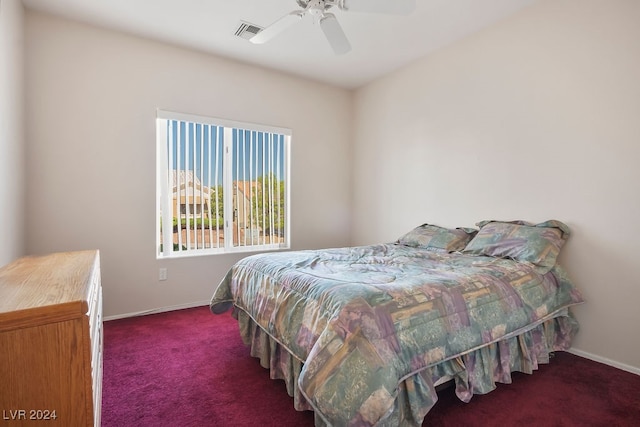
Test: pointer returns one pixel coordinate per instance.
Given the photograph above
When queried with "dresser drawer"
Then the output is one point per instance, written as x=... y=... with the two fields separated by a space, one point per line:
x=95 y=322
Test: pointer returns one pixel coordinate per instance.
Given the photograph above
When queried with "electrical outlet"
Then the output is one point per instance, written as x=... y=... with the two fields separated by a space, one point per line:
x=163 y=274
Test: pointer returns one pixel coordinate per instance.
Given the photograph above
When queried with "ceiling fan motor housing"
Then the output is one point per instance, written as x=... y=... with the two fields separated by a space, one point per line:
x=317 y=7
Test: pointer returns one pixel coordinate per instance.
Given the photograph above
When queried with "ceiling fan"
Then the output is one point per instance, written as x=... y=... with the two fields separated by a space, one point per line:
x=319 y=9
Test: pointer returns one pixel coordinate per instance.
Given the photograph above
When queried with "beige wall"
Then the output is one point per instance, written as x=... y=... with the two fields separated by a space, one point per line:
x=12 y=141
x=91 y=100
x=537 y=117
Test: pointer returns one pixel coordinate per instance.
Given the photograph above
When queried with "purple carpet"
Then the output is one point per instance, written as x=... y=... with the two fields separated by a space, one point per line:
x=190 y=368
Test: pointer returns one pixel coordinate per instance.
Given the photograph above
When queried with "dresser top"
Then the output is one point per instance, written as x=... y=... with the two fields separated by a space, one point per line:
x=37 y=286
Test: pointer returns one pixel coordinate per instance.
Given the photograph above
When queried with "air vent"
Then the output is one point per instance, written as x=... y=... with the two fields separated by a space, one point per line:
x=247 y=30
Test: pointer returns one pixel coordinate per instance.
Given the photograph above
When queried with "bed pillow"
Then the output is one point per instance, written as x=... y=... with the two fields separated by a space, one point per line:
x=538 y=244
x=435 y=238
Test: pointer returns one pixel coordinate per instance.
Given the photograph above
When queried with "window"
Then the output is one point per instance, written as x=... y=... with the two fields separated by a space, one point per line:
x=222 y=186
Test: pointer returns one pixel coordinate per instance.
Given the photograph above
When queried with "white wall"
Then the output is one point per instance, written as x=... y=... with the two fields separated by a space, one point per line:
x=91 y=101
x=12 y=142
x=534 y=118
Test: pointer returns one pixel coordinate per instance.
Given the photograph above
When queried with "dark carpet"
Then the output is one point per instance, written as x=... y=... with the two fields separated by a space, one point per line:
x=190 y=368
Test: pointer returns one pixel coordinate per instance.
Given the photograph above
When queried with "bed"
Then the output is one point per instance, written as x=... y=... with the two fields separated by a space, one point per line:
x=363 y=335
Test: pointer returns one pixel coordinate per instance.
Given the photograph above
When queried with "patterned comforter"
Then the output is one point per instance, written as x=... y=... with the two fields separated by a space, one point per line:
x=363 y=319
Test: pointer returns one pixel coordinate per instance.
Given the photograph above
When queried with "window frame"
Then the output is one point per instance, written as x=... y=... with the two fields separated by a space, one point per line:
x=164 y=186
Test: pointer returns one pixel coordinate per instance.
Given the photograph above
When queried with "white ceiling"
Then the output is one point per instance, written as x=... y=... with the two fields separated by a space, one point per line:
x=380 y=43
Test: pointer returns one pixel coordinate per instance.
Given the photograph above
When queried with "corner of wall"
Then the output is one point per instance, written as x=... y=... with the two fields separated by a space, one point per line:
x=12 y=130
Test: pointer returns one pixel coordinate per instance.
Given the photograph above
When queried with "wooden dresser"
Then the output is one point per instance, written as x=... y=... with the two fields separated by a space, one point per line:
x=51 y=340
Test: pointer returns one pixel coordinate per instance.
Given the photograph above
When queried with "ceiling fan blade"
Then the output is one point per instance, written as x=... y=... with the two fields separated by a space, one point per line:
x=334 y=33
x=277 y=27
x=398 y=7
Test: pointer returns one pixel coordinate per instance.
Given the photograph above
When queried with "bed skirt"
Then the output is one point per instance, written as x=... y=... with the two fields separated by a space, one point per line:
x=476 y=372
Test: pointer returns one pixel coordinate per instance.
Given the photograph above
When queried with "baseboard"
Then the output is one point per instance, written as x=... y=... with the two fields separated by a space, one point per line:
x=158 y=310
x=615 y=364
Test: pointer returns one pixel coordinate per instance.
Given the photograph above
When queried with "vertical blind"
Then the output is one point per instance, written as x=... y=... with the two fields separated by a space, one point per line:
x=221 y=187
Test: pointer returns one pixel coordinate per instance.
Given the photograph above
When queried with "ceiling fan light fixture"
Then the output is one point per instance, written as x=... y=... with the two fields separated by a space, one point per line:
x=316 y=7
